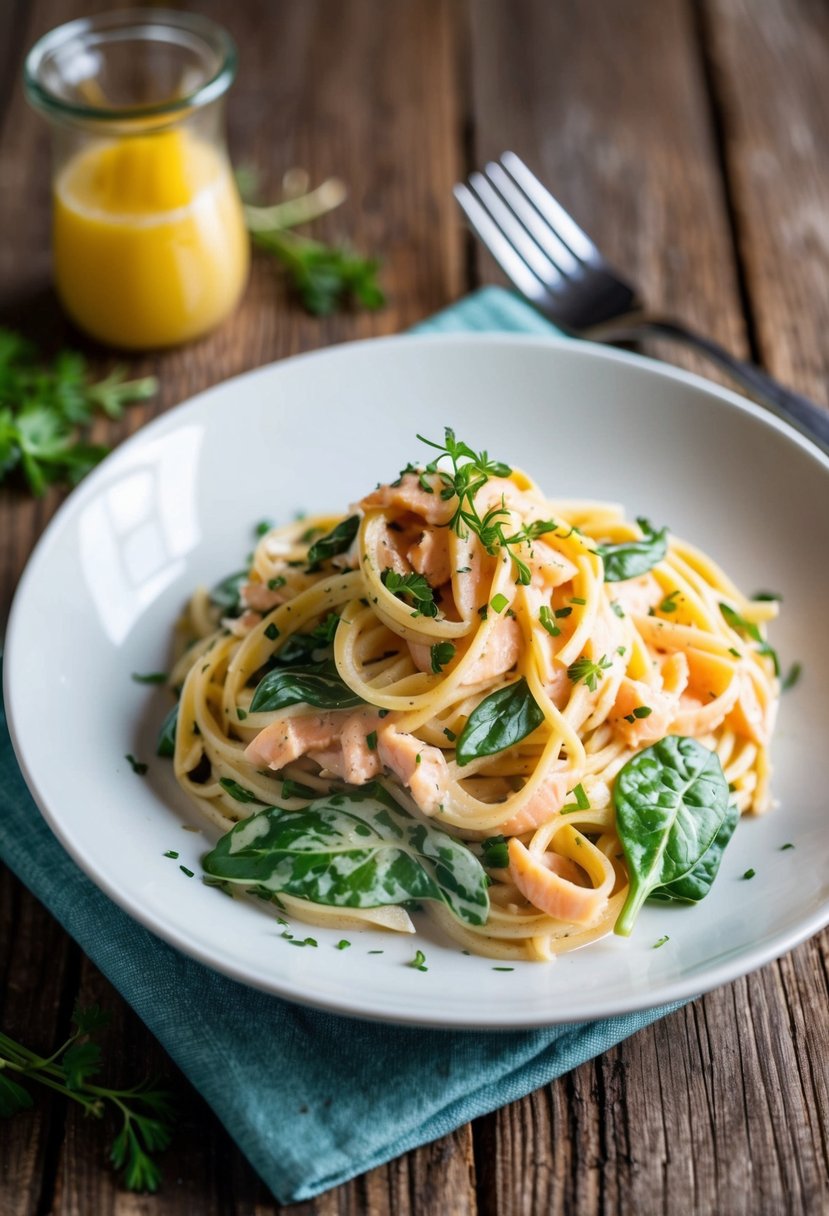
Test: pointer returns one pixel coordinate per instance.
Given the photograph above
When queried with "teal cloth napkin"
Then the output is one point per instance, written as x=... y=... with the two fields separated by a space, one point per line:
x=335 y=1096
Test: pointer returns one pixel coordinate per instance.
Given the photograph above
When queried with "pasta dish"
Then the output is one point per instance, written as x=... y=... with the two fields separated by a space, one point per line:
x=524 y=716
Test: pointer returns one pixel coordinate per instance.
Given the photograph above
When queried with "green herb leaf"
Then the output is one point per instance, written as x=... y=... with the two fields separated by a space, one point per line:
x=419 y=961
x=226 y=595
x=441 y=654
x=166 y=745
x=324 y=277
x=631 y=558
x=414 y=589
x=13 y=1097
x=499 y=602
x=238 y=791
x=588 y=670
x=500 y=721
x=319 y=685
x=352 y=853
x=337 y=541
x=137 y=766
x=750 y=630
x=671 y=800
x=495 y=853
x=80 y=1062
x=152 y=677
x=546 y=618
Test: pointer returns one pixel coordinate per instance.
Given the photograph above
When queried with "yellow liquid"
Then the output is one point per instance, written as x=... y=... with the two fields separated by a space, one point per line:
x=150 y=245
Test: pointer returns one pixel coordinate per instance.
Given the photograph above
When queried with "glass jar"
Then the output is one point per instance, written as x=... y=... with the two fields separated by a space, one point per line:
x=149 y=240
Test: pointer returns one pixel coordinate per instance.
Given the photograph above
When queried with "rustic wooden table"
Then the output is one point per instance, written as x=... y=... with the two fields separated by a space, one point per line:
x=692 y=140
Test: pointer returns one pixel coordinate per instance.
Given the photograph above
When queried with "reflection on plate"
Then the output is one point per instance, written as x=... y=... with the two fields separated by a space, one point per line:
x=176 y=505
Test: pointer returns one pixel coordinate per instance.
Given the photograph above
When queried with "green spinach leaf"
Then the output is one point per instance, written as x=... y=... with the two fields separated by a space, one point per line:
x=671 y=800
x=318 y=684
x=697 y=882
x=501 y=720
x=337 y=541
x=352 y=853
x=227 y=594
x=631 y=558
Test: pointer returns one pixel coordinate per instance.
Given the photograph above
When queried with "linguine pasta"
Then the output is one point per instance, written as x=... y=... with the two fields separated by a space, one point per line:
x=493 y=659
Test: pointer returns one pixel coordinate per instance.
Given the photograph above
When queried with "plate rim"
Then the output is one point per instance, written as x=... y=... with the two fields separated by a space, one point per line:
x=681 y=989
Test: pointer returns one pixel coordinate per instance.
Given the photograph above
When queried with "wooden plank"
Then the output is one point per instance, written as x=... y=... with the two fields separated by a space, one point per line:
x=607 y=104
x=770 y=67
x=37 y=967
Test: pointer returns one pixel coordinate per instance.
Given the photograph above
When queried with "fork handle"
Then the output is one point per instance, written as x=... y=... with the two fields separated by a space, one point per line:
x=810 y=419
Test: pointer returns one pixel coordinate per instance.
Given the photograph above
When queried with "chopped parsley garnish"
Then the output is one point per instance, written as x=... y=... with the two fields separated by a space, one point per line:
x=791 y=677
x=641 y=711
x=495 y=853
x=152 y=677
x=661 y=942
x=271 y=632
x=787 y=845
x=275 y=583
x=184 y=870
x=749 y=873
x=308 y=941
x=741 y=625
x=450 y=734
x=342 y=945
x=172 y=853
x=371 y=740
x=669 y=603
x=499 y=602
x=545 y=616
x=589 y=671
x=765 y=596
x=483 y=611
x=561 y=613
x=263 y=527
x=413 y=589
x=617 y=608
x=503 y=968
x=576 y=599
x=137 y=765
x=241 y=714
x=441 y=654
x=419 y=962
x=237 y=791
x=582 y=802
x=294 y=789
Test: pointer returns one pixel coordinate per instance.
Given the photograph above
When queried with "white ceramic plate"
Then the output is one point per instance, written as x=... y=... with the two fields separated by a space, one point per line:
x=175 y=506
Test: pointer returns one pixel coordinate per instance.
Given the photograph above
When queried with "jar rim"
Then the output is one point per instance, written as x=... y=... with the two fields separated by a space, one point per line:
x=142 y=20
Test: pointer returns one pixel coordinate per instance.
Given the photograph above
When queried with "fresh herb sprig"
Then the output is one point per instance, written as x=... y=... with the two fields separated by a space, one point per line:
x=471 y=471
x=46 y=409
x=145 y=1111
x=325 y=277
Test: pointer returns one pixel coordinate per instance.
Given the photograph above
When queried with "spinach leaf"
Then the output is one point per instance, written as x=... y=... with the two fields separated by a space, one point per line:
x=337 y=541
x=300 y=649
x=671 y=800
x=630 y=558
x=697 y=882
x=166 y=745
x=352 y=853
x=226 y=594
x=237 y=791
x=502 y=719
x=318 y=684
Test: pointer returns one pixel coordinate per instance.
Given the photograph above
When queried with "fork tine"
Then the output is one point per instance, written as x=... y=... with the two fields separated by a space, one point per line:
x=541 y=231
x=515 y=232
x=510 y=261
x=562 y=224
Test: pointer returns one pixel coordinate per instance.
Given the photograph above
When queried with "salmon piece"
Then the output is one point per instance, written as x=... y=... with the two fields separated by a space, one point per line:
x=417 y=765
x=552 y=892
x=697 y=717
x=637 y=595
x=664 y=704
x=354 y=761
x=262 y=598
x=549 y=567
x=500 y=652
x=547 y=801
x=389 y=555
x=468 y=587
x=409 y=495
x=240 y=626
x=430 y=557
x=287 y=739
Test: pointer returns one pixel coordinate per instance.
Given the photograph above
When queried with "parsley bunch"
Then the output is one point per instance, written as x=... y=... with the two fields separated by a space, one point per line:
x=325 y=277
x=145 y=1112
x=470 y=472
x=46 y=408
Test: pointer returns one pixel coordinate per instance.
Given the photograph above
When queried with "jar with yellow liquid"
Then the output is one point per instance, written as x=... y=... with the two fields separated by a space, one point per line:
x=149 y=240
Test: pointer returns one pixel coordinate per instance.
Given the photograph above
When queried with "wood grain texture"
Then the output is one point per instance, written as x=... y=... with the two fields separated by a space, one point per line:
x=771 y=66
x=657 y=126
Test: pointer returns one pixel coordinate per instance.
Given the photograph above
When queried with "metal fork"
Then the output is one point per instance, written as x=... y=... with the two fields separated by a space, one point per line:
x=558 y=268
